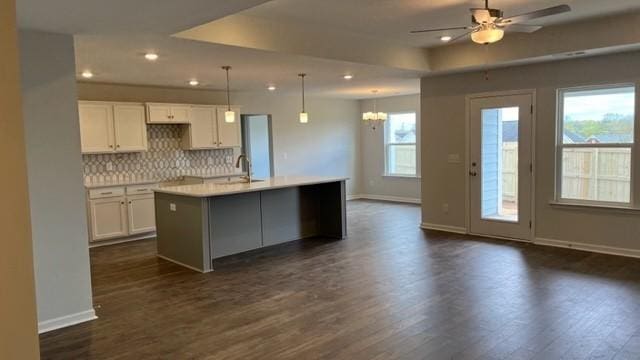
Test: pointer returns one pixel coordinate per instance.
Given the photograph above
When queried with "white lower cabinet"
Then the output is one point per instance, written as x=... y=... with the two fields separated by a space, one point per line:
x=115 y=215
x=108 y=218
x=142 y=215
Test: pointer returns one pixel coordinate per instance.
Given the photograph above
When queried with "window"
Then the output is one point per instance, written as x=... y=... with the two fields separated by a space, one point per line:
x=595 y=144
x=400 y=144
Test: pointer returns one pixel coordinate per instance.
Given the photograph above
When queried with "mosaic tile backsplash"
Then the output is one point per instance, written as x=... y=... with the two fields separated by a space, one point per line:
x=164 y=161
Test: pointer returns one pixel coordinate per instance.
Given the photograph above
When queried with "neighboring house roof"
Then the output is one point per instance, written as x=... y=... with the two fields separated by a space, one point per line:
x=569 y=137
x=610 y=139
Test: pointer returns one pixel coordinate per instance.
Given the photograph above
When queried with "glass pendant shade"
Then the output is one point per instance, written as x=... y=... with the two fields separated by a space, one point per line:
x=488 y=34
x=304 y=118
x=373 y=118
x=229 y=116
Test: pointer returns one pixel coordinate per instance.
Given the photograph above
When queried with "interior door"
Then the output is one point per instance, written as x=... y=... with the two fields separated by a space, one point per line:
x=500 y=166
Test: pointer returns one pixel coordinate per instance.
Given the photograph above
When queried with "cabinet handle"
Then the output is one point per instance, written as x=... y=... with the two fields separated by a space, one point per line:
x=107 y=193
x=111 y=146
x=142 y=189
x=122 y=203
x=129 y=202
x=117 y=146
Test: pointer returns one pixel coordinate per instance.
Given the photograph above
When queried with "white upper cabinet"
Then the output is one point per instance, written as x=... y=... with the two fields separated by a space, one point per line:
x=96 y=128
x=229 y=134
x=208 y=129
x=203 y=131
x=108 y=127
x=130 y=127
x=168 y=113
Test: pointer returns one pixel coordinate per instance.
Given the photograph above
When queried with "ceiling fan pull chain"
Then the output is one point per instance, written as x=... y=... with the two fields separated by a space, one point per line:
x=486 y=62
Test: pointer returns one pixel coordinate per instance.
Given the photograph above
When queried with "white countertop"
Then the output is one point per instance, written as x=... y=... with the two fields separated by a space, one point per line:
x=278 y=182
x=115 y=183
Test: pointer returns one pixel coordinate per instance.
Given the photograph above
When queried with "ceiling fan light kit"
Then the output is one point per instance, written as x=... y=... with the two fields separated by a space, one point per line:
x=488 y=25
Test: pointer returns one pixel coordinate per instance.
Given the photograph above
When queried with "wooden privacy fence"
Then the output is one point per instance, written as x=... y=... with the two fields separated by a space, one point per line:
x=587 y=173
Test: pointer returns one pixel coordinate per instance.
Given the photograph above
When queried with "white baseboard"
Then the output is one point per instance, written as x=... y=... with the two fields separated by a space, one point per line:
x=385 y=198
x=445 y=228
x=67 y=320
x=588 y=247
x=121 y=240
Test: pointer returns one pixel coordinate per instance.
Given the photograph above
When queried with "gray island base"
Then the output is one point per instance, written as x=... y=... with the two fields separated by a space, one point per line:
x=199 y=223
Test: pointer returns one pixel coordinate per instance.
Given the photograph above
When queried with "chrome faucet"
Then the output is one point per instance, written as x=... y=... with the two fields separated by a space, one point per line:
x=249 y=170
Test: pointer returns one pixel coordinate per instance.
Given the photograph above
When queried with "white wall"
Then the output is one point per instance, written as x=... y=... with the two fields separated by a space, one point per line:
x=373 y=152
x=443 y=133
x=328 y=145
x=58 y=216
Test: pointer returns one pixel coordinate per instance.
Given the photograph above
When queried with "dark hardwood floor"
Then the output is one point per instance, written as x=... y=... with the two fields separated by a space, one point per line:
x=389 y=291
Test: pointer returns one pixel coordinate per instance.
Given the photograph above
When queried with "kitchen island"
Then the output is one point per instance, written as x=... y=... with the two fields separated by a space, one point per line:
x=199 y=223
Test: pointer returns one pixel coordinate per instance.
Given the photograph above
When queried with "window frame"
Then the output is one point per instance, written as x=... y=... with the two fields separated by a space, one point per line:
x=560 y=146
x=387 y=145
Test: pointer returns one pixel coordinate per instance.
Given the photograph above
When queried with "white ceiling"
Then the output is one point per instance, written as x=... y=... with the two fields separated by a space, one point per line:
x=119 y=59
x=393 y=19
x=112 y=36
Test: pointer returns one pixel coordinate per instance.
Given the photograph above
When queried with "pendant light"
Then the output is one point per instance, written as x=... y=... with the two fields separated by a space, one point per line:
x=304 y=117
x=374 y=118
x=229 y=116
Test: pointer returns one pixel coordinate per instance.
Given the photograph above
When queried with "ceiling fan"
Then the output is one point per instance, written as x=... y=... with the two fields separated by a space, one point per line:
x=489 y=24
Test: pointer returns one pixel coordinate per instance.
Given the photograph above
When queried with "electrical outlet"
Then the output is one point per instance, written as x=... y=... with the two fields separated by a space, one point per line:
x=453 y=158
x=445 y=208
x=172 y=207
x=210 y=160
x=109 y=166
x=228 y=160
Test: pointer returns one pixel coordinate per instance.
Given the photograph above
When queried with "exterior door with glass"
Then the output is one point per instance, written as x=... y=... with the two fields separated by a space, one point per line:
x=500 y=166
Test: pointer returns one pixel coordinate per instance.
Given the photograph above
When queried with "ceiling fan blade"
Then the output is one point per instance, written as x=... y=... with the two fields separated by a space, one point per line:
x=535 y=15
x=521 y=28
x=460 y=37
x=443 y=29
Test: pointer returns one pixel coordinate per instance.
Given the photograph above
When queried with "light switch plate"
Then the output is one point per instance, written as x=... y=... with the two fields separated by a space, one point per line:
x=228 y=159
x=109 y=166
x=210 y=160
x=172 y=207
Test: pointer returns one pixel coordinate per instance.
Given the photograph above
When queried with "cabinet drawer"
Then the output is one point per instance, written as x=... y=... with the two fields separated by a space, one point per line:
x=106 y=192
x=141 y=189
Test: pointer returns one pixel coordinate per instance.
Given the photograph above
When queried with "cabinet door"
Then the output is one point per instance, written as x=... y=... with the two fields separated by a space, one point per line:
x=202 y=133
x=130 y=128
x=142 y=214
x=108 y=218
x=180 y=114
x=229 y=134
x=159 y=113
x=96 y=128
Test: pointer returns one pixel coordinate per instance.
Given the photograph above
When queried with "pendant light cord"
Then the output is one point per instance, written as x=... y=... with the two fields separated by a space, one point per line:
x=302 y=76
x=227 y=68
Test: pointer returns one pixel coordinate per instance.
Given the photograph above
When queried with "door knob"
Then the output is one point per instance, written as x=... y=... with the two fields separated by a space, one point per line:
x=473 y=173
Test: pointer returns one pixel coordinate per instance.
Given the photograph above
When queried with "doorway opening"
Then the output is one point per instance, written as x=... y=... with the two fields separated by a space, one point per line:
x=257 y=143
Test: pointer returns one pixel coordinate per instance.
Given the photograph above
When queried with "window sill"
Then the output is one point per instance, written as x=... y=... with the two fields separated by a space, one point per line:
x=400 y=176
x=605 y=207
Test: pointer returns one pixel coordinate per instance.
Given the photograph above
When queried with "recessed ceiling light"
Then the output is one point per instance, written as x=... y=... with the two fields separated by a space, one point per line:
x=445 y=38
x=193 y=82
x=271 y=88
x=348 y=77
x=87 y=74
x=151 y=56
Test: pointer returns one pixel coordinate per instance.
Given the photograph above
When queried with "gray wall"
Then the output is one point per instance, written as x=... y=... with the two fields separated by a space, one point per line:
x=58 y=216
x=328 y=145
x=373 y=156
x=443 y=133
